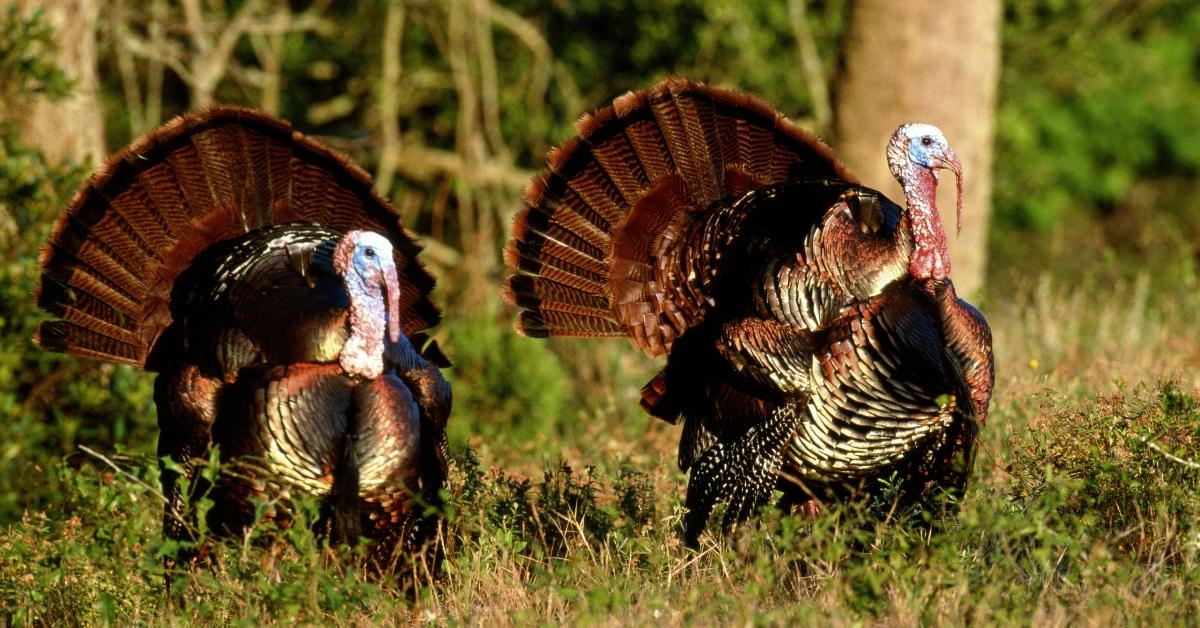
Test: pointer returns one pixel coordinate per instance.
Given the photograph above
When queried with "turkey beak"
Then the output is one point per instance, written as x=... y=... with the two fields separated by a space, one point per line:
x=950 y=162
x=391 y=284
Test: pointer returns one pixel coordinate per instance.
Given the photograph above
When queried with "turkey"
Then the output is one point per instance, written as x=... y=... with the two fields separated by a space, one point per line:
x=814 y=340
x=278 y=298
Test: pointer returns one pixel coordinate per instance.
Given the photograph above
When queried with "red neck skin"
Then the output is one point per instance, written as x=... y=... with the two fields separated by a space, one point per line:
x=930 y=256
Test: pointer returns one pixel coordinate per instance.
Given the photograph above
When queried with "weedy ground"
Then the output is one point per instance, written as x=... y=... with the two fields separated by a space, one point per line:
x=1085 y=506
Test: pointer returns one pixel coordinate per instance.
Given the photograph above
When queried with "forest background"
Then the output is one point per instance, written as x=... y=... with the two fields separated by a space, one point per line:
x=1079 y=123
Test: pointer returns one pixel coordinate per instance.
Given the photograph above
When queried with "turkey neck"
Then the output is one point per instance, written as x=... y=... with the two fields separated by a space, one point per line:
x=362 y=354
x=930 y=257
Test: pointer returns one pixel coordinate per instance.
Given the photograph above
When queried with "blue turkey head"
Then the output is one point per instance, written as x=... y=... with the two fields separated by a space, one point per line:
x=928 y=148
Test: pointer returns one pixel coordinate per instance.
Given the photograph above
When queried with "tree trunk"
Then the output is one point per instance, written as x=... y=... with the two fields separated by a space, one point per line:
x=71 y=129
x=925 y=61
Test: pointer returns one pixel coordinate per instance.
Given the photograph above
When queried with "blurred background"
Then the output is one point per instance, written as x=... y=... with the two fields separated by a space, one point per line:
x=1078 y=121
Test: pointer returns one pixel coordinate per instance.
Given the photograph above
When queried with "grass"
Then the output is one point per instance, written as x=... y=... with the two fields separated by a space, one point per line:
x=1084 y=508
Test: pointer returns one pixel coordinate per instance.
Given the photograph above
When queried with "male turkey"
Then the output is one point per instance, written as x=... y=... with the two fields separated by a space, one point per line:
x=271 y=289
x=811 y=330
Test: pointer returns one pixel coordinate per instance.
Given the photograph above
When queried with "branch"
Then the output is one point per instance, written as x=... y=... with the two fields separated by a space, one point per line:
x=389 y=106
x=268 y=48
x=112 y=465
x=164 y=52
x=215 y=63
x=306 y=21
x=810 y=63
x=528 y=34
x=128 y=72
x=489 y=94
x=440 y=254
x=210 y=61
x=194 y=24
x=423 y=164
x=154 y=71
x=1184 y=462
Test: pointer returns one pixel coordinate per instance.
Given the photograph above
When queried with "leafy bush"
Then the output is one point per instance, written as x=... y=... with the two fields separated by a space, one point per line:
x=1132 y=461
x=503 y=384
x=1094 y=100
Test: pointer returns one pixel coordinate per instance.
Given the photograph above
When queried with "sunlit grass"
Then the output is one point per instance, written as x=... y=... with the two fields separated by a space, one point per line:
x=1084 y=508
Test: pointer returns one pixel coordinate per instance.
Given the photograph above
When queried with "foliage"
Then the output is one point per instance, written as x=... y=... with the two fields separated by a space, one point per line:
x=503 y=385
x=749 y=45
x=1125 y=479
x=1072 y=514
x=26 y=42
x=1095 y=100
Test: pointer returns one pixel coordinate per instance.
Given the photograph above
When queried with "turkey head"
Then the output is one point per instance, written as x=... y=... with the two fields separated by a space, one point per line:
x=364 y=261
x=915 y=154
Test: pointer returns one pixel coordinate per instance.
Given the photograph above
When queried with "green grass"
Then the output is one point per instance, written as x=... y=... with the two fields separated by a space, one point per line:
x=1084 y=507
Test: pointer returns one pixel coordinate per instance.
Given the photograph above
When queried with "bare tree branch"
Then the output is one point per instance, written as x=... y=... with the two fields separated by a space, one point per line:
x=154 y=67
x=389 y=95
x=488 y=80
x=268 y=47
x=213 y=62
x=543 y=57
x=427 y=164
x=810 y=64
x=309 y=20
x=115 y=467
x=1184 y=462
x=165 y=52
x=128 y=71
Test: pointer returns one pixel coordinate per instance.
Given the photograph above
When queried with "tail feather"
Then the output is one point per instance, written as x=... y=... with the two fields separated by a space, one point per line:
x=226 y=174
x=97 y=269
x=688 y=125
x=618 y=159
x=90 y=311
x=108 y=267
x=570 y=229
x=561 y=255
x=260 y=194
x=644 y=135
x=537 y=293
x=525 y=256
x=547 y=323
x=596 y=189
x=160 y=187
x=86 y=290
x=67 y=337
x=555 y=201
x=611 y=214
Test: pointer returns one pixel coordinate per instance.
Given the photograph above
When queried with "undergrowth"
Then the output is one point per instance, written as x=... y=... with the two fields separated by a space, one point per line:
x=1087 y=508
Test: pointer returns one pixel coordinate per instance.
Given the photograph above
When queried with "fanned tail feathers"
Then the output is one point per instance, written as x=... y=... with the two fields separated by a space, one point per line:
x=109 y=265
x=616 y=199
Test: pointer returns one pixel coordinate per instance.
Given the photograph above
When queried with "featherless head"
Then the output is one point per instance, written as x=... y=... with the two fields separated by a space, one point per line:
x=365 y=262
x=919 y=145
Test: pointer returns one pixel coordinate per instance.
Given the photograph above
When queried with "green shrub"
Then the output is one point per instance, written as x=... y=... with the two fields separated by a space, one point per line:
x=503 y=383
